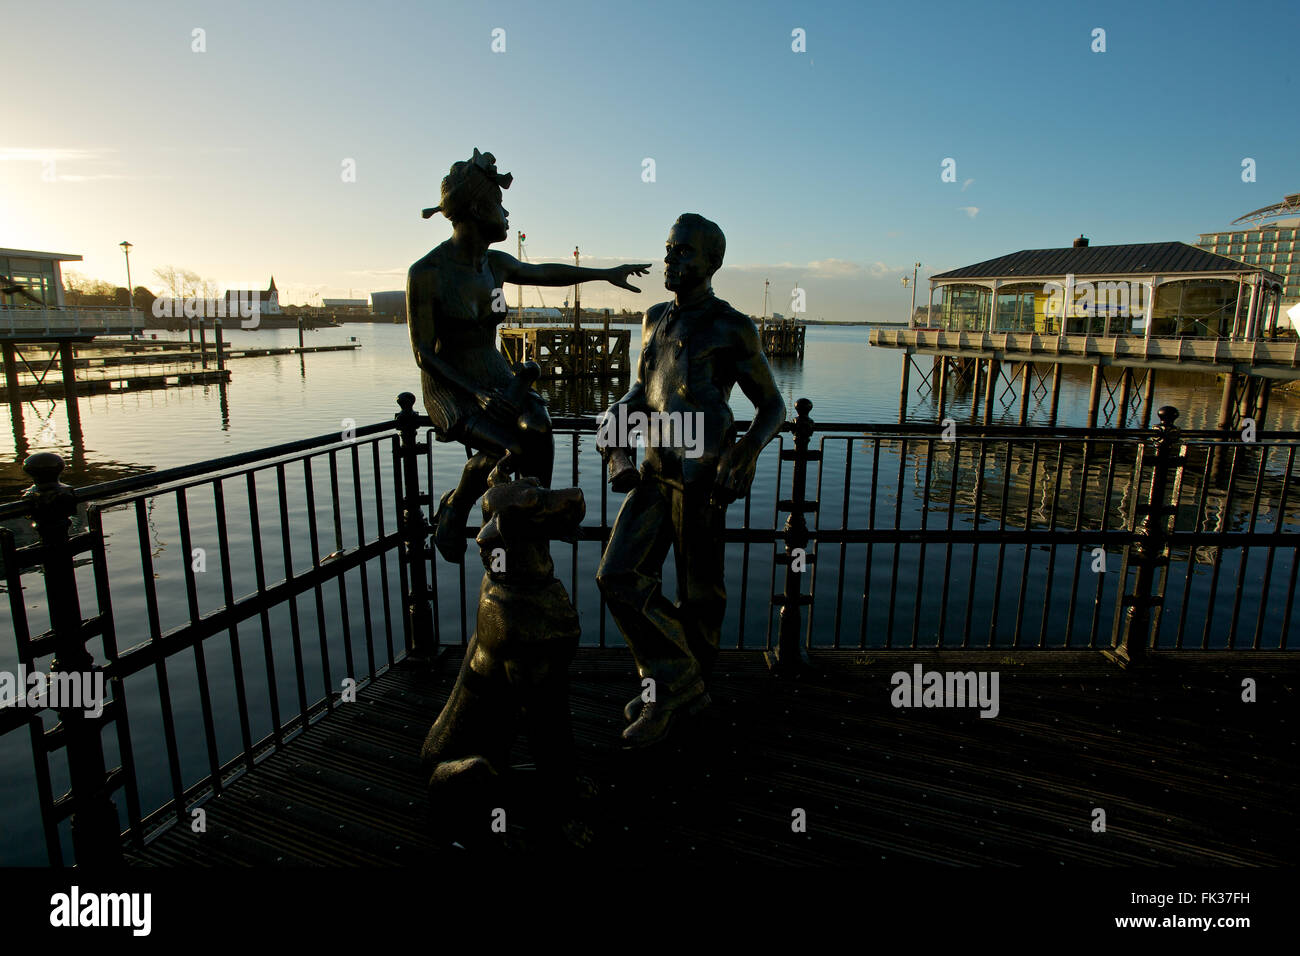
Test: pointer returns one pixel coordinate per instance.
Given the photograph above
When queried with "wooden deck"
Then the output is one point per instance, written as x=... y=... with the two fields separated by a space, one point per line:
x=1187 y=773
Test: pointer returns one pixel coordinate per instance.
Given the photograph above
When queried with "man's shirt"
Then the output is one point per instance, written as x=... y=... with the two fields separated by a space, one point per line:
x=690 y=361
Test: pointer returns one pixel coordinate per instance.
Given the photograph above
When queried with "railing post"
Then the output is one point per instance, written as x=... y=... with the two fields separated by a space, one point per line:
x=414 y=531
x=789 y=655
x=96 y=835
x=1130 y=645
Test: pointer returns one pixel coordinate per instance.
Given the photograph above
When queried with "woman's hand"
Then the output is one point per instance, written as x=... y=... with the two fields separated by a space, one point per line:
x=498 y=407
x=618 y=275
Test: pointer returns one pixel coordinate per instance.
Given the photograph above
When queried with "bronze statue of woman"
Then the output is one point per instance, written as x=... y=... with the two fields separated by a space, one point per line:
x=455 y=299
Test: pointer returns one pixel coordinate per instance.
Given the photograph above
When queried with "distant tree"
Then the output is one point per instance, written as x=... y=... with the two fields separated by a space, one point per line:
x=73 y=284
x=179 y=283
x=85 y=290
x=144 y=300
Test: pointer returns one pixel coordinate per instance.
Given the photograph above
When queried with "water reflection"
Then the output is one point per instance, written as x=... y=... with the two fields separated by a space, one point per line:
x=583 y=397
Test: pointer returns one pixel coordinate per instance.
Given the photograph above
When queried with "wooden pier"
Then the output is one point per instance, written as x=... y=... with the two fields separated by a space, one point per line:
x=98 y=371
x=880 y=786
x=564 y=352
x=1028 y=366
x=782 y=338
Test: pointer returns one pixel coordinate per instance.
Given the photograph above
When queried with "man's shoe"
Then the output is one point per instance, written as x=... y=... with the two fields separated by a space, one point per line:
x=657 y=718
x=449 y=531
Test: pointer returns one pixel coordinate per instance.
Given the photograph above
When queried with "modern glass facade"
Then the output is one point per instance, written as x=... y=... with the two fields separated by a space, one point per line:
x=36 y=276
x=1274 y=246
x=1184 y=307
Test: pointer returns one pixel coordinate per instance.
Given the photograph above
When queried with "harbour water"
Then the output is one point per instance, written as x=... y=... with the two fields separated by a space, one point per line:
x=280 y=398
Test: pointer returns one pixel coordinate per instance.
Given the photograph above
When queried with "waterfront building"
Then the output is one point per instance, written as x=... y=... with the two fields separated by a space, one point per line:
x=389 y=303
x=1158 y=289
x=344 y=305
x=36 y=273
x=1268 y=238
x=268 y=300
x=1005 y=325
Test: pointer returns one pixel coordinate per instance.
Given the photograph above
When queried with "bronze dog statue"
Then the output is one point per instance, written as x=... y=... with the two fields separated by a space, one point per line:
x=515 y=674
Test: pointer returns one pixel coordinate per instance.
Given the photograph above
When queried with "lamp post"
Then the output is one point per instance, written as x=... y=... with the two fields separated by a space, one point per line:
x=130 y=295
x=911 y=316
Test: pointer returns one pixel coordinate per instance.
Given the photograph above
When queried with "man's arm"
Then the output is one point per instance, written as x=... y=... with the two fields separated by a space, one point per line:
x=754 y=376
x=635 y=398
x=622 y=468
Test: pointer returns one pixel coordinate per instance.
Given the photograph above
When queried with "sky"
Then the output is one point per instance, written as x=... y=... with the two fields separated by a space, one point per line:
x=218 y=137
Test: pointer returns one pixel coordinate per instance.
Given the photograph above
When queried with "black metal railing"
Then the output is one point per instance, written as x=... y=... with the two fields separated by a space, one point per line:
x=907 y=536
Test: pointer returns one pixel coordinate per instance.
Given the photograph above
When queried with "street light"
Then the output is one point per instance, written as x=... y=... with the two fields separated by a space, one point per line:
x=916 y=266
x=130 y=295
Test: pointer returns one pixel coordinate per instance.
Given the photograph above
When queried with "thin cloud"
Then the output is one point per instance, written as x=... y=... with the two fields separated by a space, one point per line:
x=77 y=178
x=971 y=211
x=27 y=154
x=833 y=269
x=376 y=272
x=965 y=184
x=817 y=269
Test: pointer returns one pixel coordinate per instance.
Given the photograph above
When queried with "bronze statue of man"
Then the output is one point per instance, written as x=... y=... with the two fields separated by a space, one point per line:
x=454 y=302
x=694 y=349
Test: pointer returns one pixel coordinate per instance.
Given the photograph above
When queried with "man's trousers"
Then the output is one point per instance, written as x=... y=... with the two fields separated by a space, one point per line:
x=674 y=644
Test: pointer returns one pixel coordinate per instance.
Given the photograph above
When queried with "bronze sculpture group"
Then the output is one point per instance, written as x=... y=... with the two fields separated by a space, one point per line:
x=695 y=349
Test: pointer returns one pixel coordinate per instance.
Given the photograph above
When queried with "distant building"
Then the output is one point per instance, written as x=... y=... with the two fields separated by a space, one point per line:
x=537 y=316
x=268 y=300
x=36 y=273
x=1273 y=245
x=388 y=303
x=1150 y=289
x=344 y=303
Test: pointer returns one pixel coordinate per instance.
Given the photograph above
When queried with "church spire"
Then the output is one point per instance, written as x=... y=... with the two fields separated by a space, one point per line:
x=273 y=288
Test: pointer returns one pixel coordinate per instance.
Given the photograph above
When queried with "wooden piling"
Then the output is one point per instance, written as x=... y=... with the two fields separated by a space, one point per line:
x=1125 y=390
x=11 y=380
x=1225 y=403
x=1265 y=389
x=1056 y=394
x=943 y=383
x=1026 y=377
x=990 y=390
x=70 y=387
x=902 y=389
x=1094 y=396
x=1148 y=396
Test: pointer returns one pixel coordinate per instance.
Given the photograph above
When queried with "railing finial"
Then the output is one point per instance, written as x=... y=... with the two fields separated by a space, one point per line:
x=44 y=467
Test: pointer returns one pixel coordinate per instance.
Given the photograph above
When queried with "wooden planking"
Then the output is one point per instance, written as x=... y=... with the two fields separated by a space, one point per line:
x=1186 y=772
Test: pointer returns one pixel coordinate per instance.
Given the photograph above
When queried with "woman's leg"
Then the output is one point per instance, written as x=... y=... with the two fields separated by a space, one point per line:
x=455 y=506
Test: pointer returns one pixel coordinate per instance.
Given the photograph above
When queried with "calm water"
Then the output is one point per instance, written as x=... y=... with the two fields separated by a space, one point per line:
x=278 y=399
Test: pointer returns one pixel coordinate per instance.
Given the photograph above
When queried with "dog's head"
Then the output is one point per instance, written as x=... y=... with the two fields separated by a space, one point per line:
x=522 y=510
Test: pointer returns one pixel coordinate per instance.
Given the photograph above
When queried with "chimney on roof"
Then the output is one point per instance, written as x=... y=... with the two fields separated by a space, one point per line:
x=1081 y=242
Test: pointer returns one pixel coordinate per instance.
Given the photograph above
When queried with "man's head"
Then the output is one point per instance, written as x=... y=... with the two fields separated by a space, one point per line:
x=695 y=249
x=471 y=193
